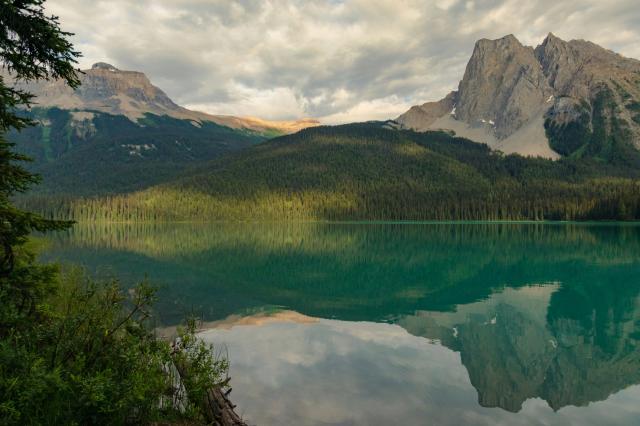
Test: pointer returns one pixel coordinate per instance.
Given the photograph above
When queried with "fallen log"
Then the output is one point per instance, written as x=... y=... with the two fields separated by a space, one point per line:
x=220 y=410
x=216 y=408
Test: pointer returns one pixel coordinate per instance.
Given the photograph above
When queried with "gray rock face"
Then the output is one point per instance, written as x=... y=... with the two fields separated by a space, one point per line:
x=128 y=92
x=421 y=117
x=509 y=90
x=104 y=66
x=503 y=84
x=576 y=67
x=105 y=88
x=596 y=89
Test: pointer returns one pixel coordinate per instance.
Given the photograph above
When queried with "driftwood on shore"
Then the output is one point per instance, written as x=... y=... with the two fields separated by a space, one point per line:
x=217 y=409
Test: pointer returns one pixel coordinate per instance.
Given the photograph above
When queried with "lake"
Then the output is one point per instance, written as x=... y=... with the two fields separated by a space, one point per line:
x=407 y=324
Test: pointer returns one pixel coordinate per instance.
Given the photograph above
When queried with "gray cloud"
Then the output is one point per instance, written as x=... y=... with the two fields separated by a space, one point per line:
x=335 y=60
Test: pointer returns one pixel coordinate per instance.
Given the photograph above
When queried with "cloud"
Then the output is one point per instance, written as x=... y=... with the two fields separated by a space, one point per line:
x=248 y=101
x=338 y=372
x=283 y=59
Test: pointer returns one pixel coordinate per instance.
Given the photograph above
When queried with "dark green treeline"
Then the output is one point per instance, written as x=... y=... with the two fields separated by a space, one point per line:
x=368 y=172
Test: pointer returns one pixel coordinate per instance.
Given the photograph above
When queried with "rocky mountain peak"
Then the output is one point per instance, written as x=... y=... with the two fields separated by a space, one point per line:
x=558 y=60
x=573 y=67
x=103 y=66
x=503 y=84
x=551 y=38
x=107 y=89
x=554 y=99
x=507 y=42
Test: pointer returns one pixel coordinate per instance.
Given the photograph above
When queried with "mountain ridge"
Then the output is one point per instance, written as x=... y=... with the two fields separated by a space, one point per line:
x=107 y=89
x=558 y=99
x=117 y=132
x=93 y=153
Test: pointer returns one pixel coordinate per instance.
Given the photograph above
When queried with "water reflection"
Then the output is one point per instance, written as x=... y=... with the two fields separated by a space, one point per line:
x=565 y=346
x=363 y=373
x=522 y=313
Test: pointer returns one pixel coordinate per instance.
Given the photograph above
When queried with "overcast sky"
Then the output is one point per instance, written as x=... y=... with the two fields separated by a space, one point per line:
x=336 y=60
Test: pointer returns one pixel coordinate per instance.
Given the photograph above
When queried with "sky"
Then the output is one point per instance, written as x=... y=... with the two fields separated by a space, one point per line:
x=334 y=60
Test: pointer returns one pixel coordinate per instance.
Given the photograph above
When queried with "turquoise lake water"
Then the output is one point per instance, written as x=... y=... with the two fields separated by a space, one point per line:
x=408 y=324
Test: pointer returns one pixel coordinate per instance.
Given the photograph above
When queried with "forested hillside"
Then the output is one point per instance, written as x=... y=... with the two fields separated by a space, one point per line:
x=370 y=172
x=94 y=153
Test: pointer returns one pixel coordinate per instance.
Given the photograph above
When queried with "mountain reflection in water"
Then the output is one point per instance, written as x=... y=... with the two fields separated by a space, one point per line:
x=532 y=312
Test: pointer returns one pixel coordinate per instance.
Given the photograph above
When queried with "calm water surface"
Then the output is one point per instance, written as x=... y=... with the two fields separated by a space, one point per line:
x=407 y=324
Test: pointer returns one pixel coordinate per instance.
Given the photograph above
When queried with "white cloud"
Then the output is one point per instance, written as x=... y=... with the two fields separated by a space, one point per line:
x=338 y=372
x=289 y=58
x=376 y=109
x=270 y=104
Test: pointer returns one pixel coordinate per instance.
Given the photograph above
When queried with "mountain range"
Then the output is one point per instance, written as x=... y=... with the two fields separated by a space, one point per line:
x=117 y=132
x=550 y=132
x=107 y=89
x=558 y=99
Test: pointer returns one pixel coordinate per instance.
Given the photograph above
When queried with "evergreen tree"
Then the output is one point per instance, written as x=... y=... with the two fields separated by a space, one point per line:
x=32 y=47
x=73 y=351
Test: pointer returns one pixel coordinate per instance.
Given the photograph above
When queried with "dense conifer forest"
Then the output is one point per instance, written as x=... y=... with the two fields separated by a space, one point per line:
x=369 y=171
x=95 y=153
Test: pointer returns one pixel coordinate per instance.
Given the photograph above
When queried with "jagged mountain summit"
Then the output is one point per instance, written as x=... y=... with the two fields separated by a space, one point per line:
x=105 y=88
x=560 y=99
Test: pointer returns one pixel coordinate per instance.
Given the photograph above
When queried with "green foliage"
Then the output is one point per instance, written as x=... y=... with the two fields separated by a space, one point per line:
x=71 y=351
x=568 y=138
x=32 y=47
x=32 y=44
x=200 y=366
x=91 y=357
x=622 y=92
x=367 y=172
x=108 y=154
x=634 y=106
x=597 y=134
x=608 y=138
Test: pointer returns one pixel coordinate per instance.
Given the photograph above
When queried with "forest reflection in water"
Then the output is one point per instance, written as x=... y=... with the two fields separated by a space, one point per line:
x=533 y=311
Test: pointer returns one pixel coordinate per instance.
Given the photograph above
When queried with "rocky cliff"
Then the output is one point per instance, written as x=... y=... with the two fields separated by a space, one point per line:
x=561 y=98
x=105 y=88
